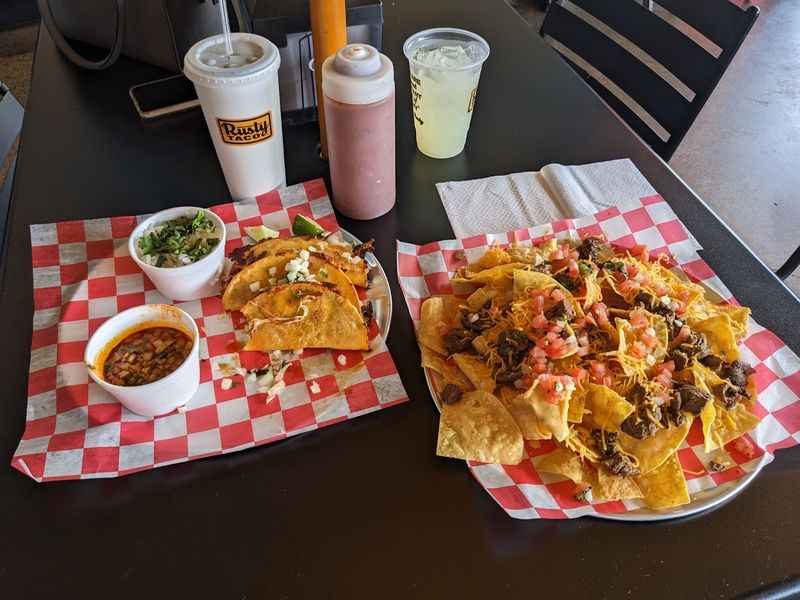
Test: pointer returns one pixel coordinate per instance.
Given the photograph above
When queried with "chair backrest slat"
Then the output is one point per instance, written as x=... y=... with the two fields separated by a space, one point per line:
x=685 y=59
x=721 y=21
x=626 y=114
x=648 y=89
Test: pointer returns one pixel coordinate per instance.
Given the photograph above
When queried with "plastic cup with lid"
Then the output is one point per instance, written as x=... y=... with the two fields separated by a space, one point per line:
x=241 y=103
x=445 y=66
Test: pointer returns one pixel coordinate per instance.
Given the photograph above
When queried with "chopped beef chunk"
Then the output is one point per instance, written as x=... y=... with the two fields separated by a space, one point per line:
x=458 y=340
x=598 y=337
x=591 y=248
x=512 y=342
x=619 y=464
x=696 y=345
x=477 y=321
x=508 y=375
x=728 y=395
x=715 y=467
x=675 y=326
x=559 y=310
x=362 y=249
x=367 y=311
x=692 y=398
x=639 y=428
x=612 y=459
x=567 y=281
x=646 y=300
x=674 y=411
x=736 y=372
x=713 y=362
x=451 y=394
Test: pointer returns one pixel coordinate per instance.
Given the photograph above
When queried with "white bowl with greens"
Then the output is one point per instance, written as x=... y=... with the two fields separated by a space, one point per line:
x=181 y=250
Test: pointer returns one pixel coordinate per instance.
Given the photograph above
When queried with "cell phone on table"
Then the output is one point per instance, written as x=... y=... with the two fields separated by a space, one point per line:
x=163 y=96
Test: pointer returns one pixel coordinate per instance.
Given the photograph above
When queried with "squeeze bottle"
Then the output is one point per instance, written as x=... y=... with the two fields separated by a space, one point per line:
x=358 y=96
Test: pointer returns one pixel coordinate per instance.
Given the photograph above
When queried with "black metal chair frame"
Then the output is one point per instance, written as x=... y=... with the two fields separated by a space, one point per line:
x=723 y=23
x=11 y=115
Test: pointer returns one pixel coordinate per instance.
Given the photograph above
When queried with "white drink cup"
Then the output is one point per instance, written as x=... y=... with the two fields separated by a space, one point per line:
x=241 y=104
x=445 y=66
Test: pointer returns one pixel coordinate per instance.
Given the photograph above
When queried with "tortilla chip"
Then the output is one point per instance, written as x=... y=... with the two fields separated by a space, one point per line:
x=720 y=336
x=304 y=315
x=480 y=296
x=552 y=417
x=239 y=291
x=449 y=372
x=608 y=487
x=593 y=290
x=535 y=280
x=577 y=406
x=665 y=487
x=478 y=427
x=339 y=255
x=479 y=374
x=433 y=321
x=566 y=463
x=707 y=416
x=652 y=451
x=521 y=409
x=608 y=409
x=730 y=424
x=737 y=315
x=499 y=277
x=493 y=257
x=532 y=255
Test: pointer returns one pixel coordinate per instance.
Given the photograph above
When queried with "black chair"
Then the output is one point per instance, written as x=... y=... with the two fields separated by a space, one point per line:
x=720 y=21
x=11 y=114
x=790 y=265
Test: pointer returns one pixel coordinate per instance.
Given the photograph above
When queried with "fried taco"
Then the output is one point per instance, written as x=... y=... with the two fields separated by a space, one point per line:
x=304 y=315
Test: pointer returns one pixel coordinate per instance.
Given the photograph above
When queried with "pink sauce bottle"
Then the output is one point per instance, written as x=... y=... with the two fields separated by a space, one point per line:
x=358 y=97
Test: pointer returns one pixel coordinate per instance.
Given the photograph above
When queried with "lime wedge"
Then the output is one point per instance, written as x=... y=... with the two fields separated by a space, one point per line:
x=261 y=232
x=305 y=226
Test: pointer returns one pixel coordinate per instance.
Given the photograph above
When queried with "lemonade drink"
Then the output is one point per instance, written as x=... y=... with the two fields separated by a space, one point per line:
x=445 y=66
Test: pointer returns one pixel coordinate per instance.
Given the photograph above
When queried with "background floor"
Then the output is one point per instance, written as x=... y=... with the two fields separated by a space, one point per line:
x=741 y=155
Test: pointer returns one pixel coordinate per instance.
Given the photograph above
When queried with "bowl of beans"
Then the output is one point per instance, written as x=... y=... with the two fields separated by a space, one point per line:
x=181 y=250
x=147 y=357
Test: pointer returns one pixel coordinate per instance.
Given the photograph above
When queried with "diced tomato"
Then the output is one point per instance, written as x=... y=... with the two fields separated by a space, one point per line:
x=578 y=373
x=628 y=286
x=600 y=313
x=539 y=321
x=607 y=380
x=583 y=351
x=598 y=369
x=681 y=307
x=538 y=303
x=556 y=328
x=540 y=367
x=659 y=289
x=665 y=366
x=744 y=446
x=638 y=319
x=638 y=350
x=574 y=271
x=683 y=334
x=573 y=254
x=557 y=295
x=640 y=251
x=631 y=271
x=650 y=341
x=583 y=340
x=557 y=254
x=537 y=353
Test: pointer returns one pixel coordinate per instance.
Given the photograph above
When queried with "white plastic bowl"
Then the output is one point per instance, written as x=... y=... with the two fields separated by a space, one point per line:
x=190 y=282
x=161 y=396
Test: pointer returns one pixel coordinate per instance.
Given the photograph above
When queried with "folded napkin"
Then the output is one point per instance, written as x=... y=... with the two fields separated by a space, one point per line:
x=509 y=202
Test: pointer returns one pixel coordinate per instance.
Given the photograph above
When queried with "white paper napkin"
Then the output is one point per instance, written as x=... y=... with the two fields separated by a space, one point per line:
x=508 y=202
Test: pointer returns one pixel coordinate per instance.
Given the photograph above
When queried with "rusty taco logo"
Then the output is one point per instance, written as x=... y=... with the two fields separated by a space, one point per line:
x=246 y=131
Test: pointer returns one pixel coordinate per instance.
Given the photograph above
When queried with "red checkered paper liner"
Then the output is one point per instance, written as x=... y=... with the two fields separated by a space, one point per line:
x=83 y=274
x=526 y=493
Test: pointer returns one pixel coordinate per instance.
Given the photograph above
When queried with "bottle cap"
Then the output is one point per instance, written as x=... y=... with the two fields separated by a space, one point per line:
x=357 y=74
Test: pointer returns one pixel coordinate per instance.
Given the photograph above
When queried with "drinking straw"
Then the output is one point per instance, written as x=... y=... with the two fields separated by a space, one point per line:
x=226 y=27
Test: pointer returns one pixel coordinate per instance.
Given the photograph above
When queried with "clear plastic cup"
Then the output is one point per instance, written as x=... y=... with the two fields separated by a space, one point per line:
x=445 y=65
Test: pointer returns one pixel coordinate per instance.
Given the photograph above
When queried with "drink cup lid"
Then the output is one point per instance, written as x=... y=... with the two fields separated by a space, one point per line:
x=357 y=74
x=254 y=58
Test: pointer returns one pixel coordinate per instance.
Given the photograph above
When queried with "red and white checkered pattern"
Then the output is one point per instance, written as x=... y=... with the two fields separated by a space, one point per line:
x=522 y=490
x=82 y=274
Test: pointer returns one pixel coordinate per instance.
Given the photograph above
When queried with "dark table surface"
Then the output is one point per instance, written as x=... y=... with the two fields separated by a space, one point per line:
x=362 y=509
